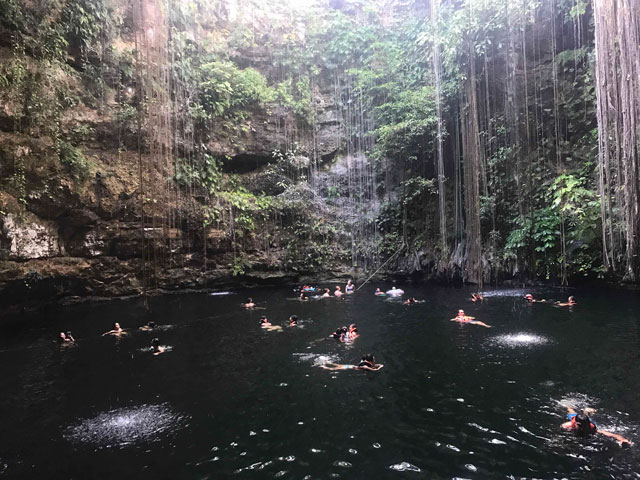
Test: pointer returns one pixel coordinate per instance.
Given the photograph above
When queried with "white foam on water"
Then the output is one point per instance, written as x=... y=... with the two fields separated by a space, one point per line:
x=124 y=426
x=514 y=340
x=316 y=359
x=404 y=467
x=215 y=294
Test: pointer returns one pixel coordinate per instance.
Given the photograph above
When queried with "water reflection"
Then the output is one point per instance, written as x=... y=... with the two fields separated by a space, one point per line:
x=125 y=426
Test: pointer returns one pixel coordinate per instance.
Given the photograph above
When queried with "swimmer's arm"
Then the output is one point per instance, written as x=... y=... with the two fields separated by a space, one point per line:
x=619 y=438
x=567 y=425
x=367 y=367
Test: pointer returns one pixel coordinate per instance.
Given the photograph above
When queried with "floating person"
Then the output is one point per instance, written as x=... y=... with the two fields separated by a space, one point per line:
x=476 y=297
x=395 y=292
x=349 y=287
x=410 y=301
x=116 y=330
x=339 y=333
x=293 y=321
x=148 y=327
x=462 y=318
x=266 y=324
x=249 y=303
x=529 y=298
x=368 y=362
x=156 y=348
x=379 y=293
x=338 y=293
x=66 y=338
x=327 y=293
x=569 y=303
x=581 y=424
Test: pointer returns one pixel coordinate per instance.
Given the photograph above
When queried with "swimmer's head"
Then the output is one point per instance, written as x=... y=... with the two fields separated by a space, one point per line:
x=151 y=324
x=263 y=319
x=293 y=319
x=528 y=296
x=378 y=290
x=249 y=300
x=62 y=337
x=369 y=358
x=337 y=287
x=116 y=326
x=583 y=424
x=353 y=327
x=460 y=312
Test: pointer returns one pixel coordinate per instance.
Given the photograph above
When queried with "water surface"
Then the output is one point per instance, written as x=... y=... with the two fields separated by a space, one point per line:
x=231 y=400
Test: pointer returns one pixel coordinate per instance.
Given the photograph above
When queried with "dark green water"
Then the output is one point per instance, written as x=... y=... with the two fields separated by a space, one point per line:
x=234 y=401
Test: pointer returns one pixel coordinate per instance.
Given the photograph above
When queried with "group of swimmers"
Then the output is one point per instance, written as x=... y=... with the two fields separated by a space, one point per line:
x=569 y=303
x=65 y=338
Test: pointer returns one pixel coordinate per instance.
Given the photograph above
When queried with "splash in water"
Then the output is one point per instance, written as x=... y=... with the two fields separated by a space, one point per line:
x=125 y=426
x=514 y=340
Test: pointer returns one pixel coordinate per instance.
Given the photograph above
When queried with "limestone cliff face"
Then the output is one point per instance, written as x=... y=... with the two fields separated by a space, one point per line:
x=64 y=237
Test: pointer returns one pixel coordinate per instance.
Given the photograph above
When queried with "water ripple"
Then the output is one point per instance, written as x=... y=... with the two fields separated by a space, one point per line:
x=404 y=467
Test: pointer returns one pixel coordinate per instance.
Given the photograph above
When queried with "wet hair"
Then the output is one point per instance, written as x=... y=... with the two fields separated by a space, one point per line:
x=249 y=300
x=584 y=425
x=151 y=324
x=155 y=344
x=368 y=358
x=263 y=319
x=354 y=326
x=61 y=337
x=293 y=319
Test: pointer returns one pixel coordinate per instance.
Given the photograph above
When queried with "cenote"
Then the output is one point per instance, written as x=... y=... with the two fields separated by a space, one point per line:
x=232 y=400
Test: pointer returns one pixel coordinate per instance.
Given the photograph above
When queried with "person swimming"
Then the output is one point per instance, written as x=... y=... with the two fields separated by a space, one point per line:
x=249 y=303
x=581 y=424
x=264 y=322
x=476 y=297
x=379 y=293
x=462 y=318
x=529 y=298
x=149 y=326
x=338 y=293
x=293 y=320
x=569 y=303
x=368 y=362
x=410 y=301
x=327 y=293
x=350 y=334
x=66 y=338
x=339 y=333
x=116 y=330
x=349 y=287
x=156 y=348
x=395 y=292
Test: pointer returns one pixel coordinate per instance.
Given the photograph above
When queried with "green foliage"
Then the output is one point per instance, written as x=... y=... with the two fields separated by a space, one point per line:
x=74 y=161
x=227 y=92
x=200 y=173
